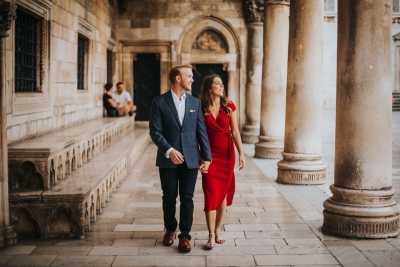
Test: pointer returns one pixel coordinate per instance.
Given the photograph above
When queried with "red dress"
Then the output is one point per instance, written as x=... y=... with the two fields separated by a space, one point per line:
x=219 y=182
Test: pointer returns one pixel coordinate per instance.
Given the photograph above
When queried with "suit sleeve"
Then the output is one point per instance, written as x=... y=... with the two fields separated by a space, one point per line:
x=156 y=128
x=202 y=137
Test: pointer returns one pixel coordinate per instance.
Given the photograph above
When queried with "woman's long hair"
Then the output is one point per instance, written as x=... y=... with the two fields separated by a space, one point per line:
x=205 y=96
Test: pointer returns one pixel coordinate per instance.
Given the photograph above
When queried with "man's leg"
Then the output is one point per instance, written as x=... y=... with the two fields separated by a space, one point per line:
x=187 y=182
x=169 y=185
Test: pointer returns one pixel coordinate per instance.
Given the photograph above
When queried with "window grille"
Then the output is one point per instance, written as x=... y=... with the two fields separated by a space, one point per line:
x=330 y=6
x=396 y=6
x=109 y=65
x=27 y=51
x=82 y=44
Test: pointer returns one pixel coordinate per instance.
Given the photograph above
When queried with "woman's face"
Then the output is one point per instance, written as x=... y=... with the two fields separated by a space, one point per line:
x=217 y=87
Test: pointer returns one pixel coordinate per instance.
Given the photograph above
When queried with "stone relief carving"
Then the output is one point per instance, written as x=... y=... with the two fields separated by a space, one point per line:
x=253 y=10
x=209 y=41
x=7 y=13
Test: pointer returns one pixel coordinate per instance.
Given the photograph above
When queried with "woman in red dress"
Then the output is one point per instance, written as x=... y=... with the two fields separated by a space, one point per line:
x=223 y=133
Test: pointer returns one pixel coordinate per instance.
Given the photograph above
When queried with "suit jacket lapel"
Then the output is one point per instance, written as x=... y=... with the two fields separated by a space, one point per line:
x=187 y=104
x=171 y=104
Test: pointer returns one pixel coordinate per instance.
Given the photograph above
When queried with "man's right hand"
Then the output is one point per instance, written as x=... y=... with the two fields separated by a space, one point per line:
x=176 y=157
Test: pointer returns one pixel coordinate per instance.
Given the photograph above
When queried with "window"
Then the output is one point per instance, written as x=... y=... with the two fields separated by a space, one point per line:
x=109 y=65
x=28 y=53
x=82 y=62
x=396 y=6
x=330 y=6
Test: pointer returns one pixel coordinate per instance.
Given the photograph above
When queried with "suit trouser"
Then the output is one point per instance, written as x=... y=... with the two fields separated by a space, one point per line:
x=182 y=180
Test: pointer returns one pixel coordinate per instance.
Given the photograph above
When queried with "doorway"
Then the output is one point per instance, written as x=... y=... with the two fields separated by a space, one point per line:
x=146 y=86
x=200 y=71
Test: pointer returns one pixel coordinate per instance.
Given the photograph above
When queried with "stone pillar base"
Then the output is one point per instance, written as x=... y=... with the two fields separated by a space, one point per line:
x=361 y=213
x=250 y=134
x=269 y=147
x=1 y=238
x=301 y=169
x=10 y=237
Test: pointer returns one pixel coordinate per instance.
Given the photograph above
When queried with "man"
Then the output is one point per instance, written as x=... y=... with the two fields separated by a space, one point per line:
x=177 y=128
x=124 y=100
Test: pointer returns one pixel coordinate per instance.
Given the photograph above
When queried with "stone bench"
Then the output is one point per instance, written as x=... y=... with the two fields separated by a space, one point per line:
x=68 y=208
x=38 y=163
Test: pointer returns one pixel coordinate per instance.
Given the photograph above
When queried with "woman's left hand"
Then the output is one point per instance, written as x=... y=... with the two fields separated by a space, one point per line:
x=242 y=162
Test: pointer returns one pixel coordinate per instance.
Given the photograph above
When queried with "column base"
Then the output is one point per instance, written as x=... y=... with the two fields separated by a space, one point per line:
x=1 y=238
x=250 y=134
x=10 y=237
x=361 y=213
x=269 y=147
x=301 y=169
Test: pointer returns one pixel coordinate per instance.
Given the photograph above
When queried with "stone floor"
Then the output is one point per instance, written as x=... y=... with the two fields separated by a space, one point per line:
x=268 y=225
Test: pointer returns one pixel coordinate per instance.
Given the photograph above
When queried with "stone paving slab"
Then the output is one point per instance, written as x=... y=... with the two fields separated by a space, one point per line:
x=32 y=260
x=62 y=250
x=308 y=260
x=83 y=261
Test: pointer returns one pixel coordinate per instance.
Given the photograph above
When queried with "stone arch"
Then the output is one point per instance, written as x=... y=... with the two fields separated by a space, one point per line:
x=27 y=179
x=74 y=165
x=231 y=60
x=67 y=164
x=25 y=224
x=62 y=224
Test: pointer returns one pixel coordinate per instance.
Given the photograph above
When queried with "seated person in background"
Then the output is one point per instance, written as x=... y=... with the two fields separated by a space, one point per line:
x=123 y=98
x=109 y=104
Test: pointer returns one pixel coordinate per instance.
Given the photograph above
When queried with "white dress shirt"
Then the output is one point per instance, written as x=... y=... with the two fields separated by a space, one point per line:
x=180 y=104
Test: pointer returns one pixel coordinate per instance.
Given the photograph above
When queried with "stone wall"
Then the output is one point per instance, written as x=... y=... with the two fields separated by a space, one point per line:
x=59 y=103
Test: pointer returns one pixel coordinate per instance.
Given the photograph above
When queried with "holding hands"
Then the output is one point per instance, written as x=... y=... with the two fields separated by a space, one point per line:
x=204 y=166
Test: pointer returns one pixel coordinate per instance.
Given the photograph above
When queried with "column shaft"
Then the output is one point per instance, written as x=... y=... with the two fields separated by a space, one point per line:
x=302 y=155
x=276 y=39
x=362 y=204
x=253 y=86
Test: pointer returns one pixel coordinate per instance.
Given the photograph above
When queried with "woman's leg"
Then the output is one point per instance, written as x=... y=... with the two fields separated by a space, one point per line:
x=218 y=222
x=210 y=219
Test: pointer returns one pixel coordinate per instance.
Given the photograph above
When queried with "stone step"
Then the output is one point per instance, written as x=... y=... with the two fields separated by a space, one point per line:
x=53 y=156
x=68 y=208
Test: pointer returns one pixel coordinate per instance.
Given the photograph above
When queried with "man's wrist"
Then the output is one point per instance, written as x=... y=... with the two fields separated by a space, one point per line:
x=209 y=160
x=168 y=151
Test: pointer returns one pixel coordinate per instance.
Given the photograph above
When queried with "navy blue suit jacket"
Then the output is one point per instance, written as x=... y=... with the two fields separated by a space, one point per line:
x=166 y=131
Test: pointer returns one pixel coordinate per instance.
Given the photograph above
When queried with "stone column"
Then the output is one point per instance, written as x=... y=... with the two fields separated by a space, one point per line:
x=302 y=155
x=7 y=235
x=362 y=204
x=276 y=39
x=254 y=15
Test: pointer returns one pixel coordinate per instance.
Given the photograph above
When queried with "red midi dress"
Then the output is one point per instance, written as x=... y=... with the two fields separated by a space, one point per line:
x=219 y=182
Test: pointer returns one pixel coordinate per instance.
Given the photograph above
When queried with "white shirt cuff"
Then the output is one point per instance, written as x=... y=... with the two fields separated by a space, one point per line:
x=168 y=151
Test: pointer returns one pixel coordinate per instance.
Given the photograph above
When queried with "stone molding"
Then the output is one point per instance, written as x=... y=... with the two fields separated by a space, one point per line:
x=278 y=2
x=396 y=36
x=253 y=10
x=7 y=13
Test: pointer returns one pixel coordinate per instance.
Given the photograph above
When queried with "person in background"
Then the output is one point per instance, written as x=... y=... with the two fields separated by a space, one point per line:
x=109 y=104
x=124 y=100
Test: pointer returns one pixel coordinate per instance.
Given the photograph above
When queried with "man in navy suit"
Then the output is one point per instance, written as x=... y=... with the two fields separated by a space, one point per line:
x=178 y=130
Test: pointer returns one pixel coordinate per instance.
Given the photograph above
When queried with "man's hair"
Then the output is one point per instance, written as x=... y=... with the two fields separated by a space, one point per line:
x=175 y=71
x=108 y=86
x=118 y=83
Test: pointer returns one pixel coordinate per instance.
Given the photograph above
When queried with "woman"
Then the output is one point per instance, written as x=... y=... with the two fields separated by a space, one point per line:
x=222 y=130
x=109 y=104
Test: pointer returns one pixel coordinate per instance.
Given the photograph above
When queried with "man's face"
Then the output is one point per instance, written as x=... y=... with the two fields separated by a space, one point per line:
x=120 y=88
x=186 y=79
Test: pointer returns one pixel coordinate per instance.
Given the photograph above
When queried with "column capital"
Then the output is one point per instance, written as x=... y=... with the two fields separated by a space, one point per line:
x=7 y=15
x=277 y=2
x=253 y=10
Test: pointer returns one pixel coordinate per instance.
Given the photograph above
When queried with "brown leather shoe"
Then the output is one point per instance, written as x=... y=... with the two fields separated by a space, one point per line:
x=168 y=239
x=184 y=244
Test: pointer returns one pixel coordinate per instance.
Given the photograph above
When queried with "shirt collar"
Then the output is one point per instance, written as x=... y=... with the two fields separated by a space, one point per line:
x=174 y=96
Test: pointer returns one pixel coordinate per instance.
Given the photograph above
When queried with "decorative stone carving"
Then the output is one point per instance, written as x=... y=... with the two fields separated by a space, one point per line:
x=253 y=10
x=7 y=13
x=27 y=179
